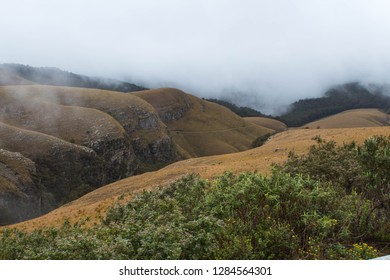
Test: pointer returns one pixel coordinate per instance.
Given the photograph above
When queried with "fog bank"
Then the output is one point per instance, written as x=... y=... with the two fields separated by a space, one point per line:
x=264 y=54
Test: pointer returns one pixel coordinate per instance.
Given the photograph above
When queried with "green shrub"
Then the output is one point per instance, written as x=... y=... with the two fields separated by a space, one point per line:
x=329 y=204
x=260 y=141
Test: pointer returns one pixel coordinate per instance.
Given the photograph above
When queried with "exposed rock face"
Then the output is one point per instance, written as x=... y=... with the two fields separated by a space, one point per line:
x=118 y=155
x=161 y=150
x=61 y=171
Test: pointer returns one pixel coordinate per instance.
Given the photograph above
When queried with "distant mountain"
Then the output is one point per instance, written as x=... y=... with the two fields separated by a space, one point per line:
x=335 y=100
x=241 y=111
x=16 y=74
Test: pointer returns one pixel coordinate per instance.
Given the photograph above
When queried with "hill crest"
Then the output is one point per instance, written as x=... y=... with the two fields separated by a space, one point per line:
x=18 y=74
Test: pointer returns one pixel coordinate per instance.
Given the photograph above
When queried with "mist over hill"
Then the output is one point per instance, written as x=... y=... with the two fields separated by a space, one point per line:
x=338 y=99
x=22 y=74
x=334 y=100
x=59 y=143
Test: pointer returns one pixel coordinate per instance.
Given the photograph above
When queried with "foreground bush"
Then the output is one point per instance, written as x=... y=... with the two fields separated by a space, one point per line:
x=307 y=209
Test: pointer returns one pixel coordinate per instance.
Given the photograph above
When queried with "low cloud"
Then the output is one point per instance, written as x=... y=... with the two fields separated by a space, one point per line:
x=264 y=54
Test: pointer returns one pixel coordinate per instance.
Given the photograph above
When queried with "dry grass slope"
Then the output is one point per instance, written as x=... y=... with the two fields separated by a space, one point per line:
x=273 y=151
x=275 y=125
x=81 y=116
x=80 y=139
x=201 y=128
x=70 y=123
x=353 y=118
x=32 y=144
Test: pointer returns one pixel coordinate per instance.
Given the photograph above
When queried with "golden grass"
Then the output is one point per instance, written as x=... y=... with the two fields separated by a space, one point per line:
x=80 y=115
x=31 y=143
x=275 y=125
x=260 y=159
x=125 y=108
x=353 y=118
x=70 y=123
x=164 y=100
x=205 y=128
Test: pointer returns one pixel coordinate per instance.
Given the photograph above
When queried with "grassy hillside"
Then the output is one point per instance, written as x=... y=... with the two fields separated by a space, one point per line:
x=59 y=120
x=273 y=124
x=122 y=132
x=260 y=159
x=199 y=127
x=77 y=140
x=147 y=134
x=352 y=118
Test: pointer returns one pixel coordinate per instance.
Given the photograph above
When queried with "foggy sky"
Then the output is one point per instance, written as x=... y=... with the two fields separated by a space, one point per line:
x=264 y=53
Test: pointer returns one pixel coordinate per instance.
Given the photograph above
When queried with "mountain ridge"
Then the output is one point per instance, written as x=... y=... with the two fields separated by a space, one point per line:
x=336 y=100
x=24 y=74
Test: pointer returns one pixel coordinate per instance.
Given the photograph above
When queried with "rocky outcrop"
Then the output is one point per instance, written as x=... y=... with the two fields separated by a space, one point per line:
x=161 y=150
x=118 y=155
x=62 y=171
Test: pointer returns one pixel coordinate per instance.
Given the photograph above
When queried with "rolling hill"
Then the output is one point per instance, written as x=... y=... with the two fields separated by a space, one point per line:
x=275 y=125
x=58 y=143
x=67 y=154
x=199 y=127
x=353 y=118
x=260 y=159
x=77 y=140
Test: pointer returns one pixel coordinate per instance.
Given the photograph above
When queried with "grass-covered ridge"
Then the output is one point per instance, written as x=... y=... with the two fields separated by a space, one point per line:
x=332 y=203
